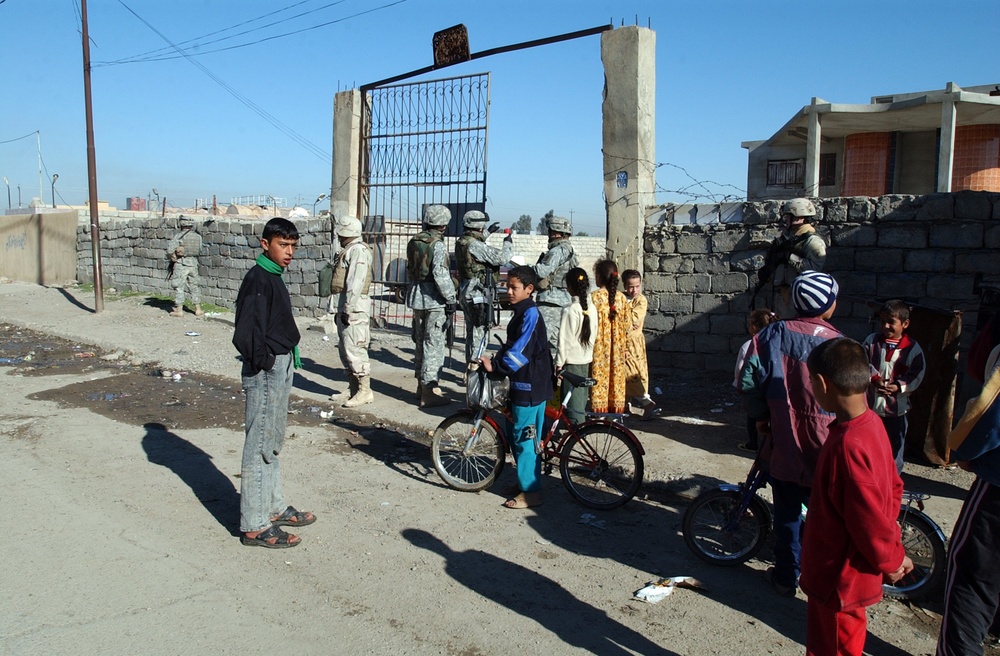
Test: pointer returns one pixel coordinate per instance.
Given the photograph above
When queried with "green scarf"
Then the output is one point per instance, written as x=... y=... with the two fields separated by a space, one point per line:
x=269 y=265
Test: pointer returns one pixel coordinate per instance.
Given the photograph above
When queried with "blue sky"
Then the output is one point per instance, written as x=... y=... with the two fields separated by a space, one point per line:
x=726 y=72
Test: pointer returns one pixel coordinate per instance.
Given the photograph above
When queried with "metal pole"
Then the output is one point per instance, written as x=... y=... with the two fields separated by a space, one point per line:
x=55 y=176
x=38 y=139
x=95 y=219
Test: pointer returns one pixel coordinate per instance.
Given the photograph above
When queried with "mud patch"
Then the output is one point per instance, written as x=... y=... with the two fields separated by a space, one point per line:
x=36 y=354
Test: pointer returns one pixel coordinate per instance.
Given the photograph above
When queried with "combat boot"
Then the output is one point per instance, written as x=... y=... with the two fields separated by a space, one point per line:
x=351 y=391
x=431 y=396
x=178 y=311
x=363 y=395
x=197 y=310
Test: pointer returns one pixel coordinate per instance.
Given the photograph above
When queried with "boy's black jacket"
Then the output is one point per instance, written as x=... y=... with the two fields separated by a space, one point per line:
x=265 y=326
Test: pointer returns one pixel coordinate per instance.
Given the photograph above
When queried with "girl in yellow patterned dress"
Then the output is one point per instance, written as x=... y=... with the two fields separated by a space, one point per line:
x=614 y=320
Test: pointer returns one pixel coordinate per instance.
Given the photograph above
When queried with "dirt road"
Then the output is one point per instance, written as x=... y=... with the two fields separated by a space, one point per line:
x=125 y=484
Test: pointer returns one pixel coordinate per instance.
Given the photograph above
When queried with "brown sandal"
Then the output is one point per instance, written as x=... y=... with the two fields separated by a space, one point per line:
x=292 y=517
x=272 y=538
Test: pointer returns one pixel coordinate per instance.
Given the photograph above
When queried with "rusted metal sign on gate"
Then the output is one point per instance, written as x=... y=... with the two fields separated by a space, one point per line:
x=422 y=143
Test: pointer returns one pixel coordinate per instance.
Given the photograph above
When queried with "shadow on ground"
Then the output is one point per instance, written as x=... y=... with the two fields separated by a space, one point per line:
x=195 y=468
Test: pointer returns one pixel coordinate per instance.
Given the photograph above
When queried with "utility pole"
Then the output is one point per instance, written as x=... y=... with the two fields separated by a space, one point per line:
x=95 y=219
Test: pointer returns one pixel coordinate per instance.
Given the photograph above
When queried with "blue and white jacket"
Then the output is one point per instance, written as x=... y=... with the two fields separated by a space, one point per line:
x=525 y=357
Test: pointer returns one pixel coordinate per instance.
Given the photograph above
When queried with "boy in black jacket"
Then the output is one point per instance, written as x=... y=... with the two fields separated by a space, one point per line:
x=267 y=338
x=525 y=359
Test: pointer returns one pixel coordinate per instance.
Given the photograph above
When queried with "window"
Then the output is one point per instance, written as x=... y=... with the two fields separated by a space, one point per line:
x=828 y=170
x=784 y=172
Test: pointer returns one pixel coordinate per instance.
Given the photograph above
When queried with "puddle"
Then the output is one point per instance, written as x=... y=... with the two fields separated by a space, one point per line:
x=138 y=395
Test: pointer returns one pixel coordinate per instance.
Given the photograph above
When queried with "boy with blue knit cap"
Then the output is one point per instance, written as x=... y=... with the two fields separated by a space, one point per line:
x=779 y=395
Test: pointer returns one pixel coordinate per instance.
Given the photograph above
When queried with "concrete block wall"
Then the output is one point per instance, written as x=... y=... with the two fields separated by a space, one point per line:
x=924 y=249
x=134 y=255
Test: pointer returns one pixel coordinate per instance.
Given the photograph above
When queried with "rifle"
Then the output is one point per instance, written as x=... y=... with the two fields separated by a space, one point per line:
x=450 y=332
x=492 y=299
x=777 y=254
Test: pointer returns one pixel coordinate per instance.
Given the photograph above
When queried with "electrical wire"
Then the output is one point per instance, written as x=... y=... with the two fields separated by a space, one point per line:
x=30 y=134
x=281 y=127
x=258 y=41
x=142 y=56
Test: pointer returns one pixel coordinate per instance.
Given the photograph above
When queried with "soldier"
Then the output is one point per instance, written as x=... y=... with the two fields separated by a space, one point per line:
x=431 y=296
x=183 y=251
x=478 y=269
x=797 y=249
x=551 y=270
x=352 y=309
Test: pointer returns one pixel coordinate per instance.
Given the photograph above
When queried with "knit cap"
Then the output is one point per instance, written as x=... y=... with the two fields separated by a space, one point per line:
x=813 y=293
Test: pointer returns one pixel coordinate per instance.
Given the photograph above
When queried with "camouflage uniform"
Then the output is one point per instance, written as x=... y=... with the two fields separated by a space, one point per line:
x=806 y=252
x=427 y=296
x=183 y=251
x=551 y=269
x=353 y=303
x=474 y=257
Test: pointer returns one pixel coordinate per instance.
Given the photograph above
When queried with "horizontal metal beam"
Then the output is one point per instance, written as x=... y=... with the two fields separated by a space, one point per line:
x=492 y=51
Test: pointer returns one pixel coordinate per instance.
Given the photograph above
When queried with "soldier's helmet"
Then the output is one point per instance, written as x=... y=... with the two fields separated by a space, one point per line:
x=437 y=215
x=800 y=208
x=474 y=219
x=185 y=221
x=348 y=226
x=560 y=224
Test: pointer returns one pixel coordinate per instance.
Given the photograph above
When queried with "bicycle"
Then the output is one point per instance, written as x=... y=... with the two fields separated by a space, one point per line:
x=730 y=524
x=600 y=460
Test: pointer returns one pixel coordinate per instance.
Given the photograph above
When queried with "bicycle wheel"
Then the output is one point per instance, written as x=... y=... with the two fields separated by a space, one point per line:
x=925 y=548
x=469 y=470
x=716 y=535
x=601 y=467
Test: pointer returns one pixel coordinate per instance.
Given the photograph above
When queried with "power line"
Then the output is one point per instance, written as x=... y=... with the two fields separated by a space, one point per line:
x=30 y=134
x=140 y=56
x=281 y=127
x=258 y=41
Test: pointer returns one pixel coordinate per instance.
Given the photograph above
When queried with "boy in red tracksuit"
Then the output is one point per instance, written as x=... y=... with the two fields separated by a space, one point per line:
x=851 y=541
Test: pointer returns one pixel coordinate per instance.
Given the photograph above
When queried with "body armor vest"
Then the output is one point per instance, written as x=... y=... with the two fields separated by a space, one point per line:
x=557 y=279
x=420 y=256
x=339 y=280
x=468 y=266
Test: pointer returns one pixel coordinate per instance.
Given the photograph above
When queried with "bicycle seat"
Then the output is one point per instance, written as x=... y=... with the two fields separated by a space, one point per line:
x=577 y=381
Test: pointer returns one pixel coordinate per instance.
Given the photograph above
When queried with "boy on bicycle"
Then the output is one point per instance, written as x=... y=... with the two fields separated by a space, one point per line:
x=525 y=360
x=851 y=542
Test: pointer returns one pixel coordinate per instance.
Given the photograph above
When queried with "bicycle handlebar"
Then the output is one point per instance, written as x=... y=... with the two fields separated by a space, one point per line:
x=577 y=380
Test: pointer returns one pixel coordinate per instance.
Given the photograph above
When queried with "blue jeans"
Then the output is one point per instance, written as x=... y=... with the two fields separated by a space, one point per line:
x=266 y=413
x=895 y=428
x=788 y=501
x=529 y=465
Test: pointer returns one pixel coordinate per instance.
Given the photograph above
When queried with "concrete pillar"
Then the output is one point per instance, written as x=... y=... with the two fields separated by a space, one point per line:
x=346 y=145
x=629 y=140
x=946 y=151
x=813 y=140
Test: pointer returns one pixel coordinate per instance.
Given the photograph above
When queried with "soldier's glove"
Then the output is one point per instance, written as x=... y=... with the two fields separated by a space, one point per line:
x=450 y=308
x=179 y=252
x=493 y=227
x=343 y=318
x=764 y=274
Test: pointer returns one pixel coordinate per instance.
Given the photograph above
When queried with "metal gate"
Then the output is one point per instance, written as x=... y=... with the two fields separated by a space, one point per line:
x=422 y=143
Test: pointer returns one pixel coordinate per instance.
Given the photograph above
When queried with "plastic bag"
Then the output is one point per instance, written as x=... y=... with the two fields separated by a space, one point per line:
x=486 y=392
